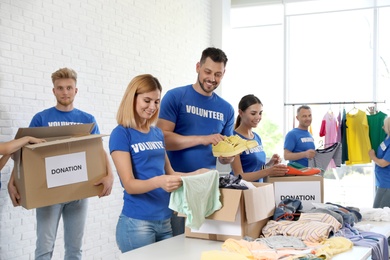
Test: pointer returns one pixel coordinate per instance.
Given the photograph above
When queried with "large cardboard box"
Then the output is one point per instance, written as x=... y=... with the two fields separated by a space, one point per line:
x=243 y=213
x=308 y=189
x=62 y=169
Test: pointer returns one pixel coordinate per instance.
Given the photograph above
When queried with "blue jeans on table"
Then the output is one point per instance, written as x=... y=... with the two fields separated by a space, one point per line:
x=74 y=216
x=133 y=233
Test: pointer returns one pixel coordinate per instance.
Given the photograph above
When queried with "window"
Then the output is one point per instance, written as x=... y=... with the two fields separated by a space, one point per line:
x=312 y=52
x=256 y=67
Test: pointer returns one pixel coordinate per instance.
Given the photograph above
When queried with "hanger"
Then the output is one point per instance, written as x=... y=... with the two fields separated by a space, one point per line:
x=354 y=110
x=371 y=110
x=330 y=109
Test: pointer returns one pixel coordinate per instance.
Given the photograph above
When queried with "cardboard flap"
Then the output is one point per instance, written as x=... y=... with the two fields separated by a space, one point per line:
x=229 y=197
x=54 y=131
x=66 y=140
x=259 y=202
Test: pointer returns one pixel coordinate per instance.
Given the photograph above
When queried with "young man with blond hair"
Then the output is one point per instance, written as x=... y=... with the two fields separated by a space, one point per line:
x=73 y=213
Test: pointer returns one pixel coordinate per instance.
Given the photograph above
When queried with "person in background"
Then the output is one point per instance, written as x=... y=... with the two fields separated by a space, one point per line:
x=382 y=169
x=299 y=143
x=138 y=151
x=73 y=213
x=194 y=117
x=251 y=164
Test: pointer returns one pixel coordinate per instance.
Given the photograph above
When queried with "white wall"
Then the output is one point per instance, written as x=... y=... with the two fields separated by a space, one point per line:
x=107 y=43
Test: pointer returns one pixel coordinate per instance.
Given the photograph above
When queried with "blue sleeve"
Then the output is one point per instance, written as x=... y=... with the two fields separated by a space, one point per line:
x=95 y=129
x=169 y=107
x=119 y=140
x=36 y=121
x=386 y=156
x=386 y=153
x=289 y=141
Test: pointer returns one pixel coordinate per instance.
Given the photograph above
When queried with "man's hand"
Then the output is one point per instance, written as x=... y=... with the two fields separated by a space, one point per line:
x=211 y=139
x=226 y=160
x=107 y=183
x=13 y=192
x=310 y=153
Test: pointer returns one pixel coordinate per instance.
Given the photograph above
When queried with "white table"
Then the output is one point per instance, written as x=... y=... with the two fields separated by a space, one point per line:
x=380 y=227
x=176 y=248
x=181 y=247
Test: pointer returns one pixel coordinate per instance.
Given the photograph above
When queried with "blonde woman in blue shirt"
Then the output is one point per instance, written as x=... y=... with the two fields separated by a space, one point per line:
x=137 y=148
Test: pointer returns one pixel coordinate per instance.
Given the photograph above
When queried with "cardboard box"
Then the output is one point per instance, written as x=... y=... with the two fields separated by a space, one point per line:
x=308 y=189
x=243 y=213
x=62 y=169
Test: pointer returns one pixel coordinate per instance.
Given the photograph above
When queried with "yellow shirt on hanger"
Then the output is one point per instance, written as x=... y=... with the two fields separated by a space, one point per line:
x=358 y=138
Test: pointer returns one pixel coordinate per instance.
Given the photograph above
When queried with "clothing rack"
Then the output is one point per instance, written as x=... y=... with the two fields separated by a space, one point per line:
x=332 y=103
x=336 y=103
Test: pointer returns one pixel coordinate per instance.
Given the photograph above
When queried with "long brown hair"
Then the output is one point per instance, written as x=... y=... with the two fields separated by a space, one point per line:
x=245 y=102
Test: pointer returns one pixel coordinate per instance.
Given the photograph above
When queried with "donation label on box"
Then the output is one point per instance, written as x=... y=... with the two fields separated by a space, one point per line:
x=306 y=191
x=66 y=169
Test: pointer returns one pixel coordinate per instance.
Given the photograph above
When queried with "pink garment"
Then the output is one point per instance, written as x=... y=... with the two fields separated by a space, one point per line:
x=329 y=129
x=338 y=139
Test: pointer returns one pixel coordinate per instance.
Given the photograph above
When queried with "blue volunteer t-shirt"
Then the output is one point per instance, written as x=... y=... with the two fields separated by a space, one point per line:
x=252 y=159
x=298 y=140
x=382 y=174
x=147 y=155
x=54 y=117
x=195 y=114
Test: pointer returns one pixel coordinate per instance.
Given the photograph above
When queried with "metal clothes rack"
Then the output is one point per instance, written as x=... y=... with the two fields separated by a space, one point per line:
x=332 y=103
x=336 y=103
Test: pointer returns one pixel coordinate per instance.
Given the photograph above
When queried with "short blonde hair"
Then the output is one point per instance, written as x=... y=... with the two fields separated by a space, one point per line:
x=386 y=125
x=140 y=84
x=64 y=73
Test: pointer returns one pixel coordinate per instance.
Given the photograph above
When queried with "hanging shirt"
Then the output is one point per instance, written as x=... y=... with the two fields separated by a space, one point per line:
x=338 y=139
x=329 y=128
x=376 y=132
x=344 y=141
x=358 y=140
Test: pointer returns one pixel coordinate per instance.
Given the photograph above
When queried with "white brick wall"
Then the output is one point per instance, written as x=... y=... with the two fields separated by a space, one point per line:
x=107 y=43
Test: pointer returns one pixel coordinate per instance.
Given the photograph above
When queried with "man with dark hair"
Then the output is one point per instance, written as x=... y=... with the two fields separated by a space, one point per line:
x=73 y=213
x=299 y=143
x=194 y=117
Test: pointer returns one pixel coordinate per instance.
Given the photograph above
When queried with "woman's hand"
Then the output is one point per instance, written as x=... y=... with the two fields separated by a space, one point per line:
x=170 y=182
x=278 y=170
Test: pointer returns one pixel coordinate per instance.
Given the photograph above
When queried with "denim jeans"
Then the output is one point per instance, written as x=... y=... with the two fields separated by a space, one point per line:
x=382 y=198
x=134 y=233
x=74 y=216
